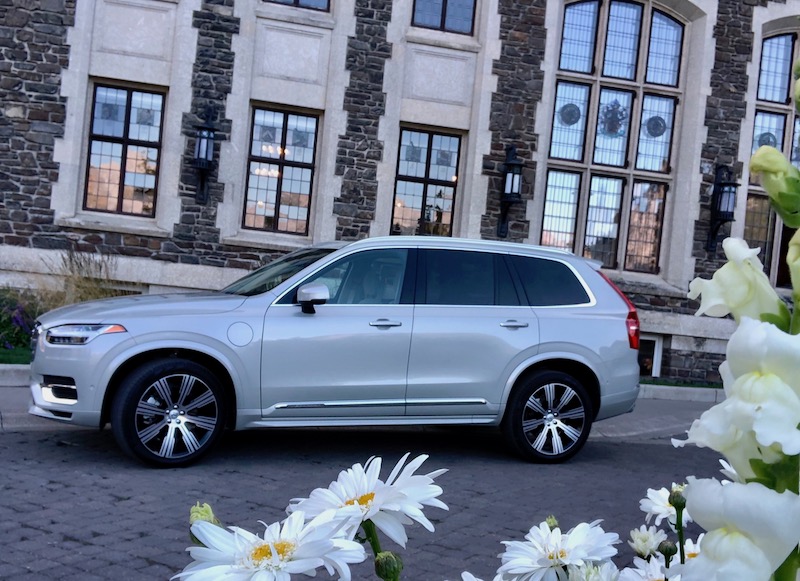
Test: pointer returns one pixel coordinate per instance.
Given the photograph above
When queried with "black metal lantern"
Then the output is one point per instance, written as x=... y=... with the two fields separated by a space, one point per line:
x=723 y=203
x=204 y=155
x=512 y=188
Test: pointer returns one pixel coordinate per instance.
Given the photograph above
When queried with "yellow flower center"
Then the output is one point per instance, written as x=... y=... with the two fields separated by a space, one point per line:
x=553 y=555
x=264 y=552
x=362 y=500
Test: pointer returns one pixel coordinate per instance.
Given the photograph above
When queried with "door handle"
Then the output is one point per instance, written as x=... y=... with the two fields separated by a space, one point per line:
x=513 y=324
x=385 y=323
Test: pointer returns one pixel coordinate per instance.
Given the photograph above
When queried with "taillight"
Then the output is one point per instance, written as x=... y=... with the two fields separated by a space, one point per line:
x=632 y=320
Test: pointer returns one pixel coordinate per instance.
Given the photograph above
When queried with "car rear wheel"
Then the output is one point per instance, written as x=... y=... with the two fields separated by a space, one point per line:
x=549 y=417
x=169 y=412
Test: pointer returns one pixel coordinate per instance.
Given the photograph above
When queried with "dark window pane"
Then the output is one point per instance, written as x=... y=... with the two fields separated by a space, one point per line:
x=459 y=278
x=655 y=134
x=602 y=221
x=459 y=16
x=767 y=130
x=664 y=55
x=109 y=112
x=578 y=37
x=759 y=227
x=644 y=230
x=549 y=283
x=613 y=122
x=776 y=64
x=560 y=209
x=622 y=42
x=569 y=124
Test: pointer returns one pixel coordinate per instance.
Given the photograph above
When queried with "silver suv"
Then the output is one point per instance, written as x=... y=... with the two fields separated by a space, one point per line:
x=383 y=331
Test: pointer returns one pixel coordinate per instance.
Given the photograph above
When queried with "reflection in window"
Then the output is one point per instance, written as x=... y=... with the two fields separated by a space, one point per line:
x=447 y=15
x=776 y=64
x=613 y=121
x=767 y=130
x=569 y=124
x=427 y=173
x=373 y=277
x=795 y=156
x=664 y=55
x=759 y=226
x=644 y=229
x=281 y=170
x=560 y=209
x=656 y=133
x=313 y=4
x=622 y=40
x=578 y=37
x=124 y=151
x=602 y=221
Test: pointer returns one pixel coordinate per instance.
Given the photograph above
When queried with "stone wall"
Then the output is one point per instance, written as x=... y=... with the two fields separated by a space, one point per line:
x=359 y=149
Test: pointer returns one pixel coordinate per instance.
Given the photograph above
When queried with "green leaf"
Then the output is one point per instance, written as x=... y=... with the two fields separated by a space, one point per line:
x=782 y=320
x=780 y=476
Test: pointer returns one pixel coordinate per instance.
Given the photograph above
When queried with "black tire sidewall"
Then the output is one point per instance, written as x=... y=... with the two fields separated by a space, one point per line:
x=512 y=423
x=123 y=409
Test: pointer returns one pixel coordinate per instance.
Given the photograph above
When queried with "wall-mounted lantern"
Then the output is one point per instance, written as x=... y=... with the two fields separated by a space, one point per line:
x=512 y=188
x=723 y=202
x=204 y=155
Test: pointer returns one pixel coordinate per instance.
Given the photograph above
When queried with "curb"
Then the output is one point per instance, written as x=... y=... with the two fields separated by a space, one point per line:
x=17 y=376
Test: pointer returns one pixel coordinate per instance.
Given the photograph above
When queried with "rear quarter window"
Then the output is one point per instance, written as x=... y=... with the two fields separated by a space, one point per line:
x=549 y=283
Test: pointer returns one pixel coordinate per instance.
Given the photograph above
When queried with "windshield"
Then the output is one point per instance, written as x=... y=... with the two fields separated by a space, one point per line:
x=271 y=275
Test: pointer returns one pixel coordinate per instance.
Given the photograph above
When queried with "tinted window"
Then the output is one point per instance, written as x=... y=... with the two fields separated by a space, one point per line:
x=373 y=277
x=549 y=283
x=454 y=277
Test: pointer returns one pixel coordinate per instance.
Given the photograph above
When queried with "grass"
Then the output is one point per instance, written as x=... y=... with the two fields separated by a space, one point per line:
x=678 y=382
x=15 y=356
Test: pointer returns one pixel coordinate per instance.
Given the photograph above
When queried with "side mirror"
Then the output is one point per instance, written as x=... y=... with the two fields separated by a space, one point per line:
x=313 y=293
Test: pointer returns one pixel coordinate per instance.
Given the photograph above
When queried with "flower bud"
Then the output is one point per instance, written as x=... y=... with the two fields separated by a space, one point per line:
x=797 y=95
x=781 y=180
x=202 y=512
x=388 y=566
x=668 y=549
x=796 y=69
x=677 y=500
x=552 y=522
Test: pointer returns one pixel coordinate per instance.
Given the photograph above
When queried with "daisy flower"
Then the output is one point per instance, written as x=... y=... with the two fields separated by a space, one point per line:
x=645 y=540
x=292 y=549
x=652 y=570
x=389 y=505
x=657 y=505
x=601 y=572
x=547 y=553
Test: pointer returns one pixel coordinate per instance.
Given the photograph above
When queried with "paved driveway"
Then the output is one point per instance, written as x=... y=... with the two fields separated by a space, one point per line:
x=72 y=507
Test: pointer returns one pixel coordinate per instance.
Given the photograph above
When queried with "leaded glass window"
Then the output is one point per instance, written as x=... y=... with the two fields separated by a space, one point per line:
x=312 y=4
x=447 y=15
x=124 y=151
x=607 y=179
x=281 y=171
x=425 y=189
x=777 y=125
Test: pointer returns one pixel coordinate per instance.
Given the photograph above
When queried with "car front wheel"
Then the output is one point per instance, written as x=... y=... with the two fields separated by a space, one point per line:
x=168 y=412
x=549 y=417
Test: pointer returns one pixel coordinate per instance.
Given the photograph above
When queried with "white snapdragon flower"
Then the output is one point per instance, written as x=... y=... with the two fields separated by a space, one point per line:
x=606 y=571
x=739 y=288
x=656 y=504
x=546 y=552
x=294 y=548
x=752 y=529
x=645 y=540
x=388 y=505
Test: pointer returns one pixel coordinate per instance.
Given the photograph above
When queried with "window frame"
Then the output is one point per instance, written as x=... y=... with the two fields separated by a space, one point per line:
x=299 y=4
x=126 y=142
x=282 y=164
x=443 y=19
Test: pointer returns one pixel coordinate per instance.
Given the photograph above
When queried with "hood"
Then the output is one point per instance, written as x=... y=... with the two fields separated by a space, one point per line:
x=117 y=309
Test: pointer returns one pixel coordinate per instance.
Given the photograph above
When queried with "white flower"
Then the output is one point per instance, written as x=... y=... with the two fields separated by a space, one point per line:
x=692 y=548
x=739 y=288
x=752 y=529
x=652 y=570
x=606 y=571
x=547 y=551
x=657 y=505
x=645 y=540
x=294 y=548
x=389 y=505
x=727 y=470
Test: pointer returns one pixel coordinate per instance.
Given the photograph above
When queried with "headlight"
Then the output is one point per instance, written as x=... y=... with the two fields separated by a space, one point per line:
x=80 y=334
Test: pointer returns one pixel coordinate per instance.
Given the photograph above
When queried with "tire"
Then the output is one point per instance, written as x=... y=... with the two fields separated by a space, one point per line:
x=549 y=417
x=168 y=413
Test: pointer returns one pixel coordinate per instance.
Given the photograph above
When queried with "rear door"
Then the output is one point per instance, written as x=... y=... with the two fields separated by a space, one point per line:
x=471 y=328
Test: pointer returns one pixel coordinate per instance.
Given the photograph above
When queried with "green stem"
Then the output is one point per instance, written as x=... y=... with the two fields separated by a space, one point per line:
x=681 y=534
x=789 y=568
x=372 y=536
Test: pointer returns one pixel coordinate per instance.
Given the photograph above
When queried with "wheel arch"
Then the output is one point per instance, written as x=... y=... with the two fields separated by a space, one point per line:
x=580 y=371
x=207 y=361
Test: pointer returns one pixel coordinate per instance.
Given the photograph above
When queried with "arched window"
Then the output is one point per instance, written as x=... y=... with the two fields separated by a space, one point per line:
x=776 y=124
x=617 y=97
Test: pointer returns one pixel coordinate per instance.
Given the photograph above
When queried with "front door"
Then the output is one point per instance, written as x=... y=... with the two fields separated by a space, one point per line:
x=348 y=359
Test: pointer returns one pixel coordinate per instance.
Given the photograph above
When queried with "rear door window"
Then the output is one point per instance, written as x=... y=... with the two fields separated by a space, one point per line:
x=456 y=277
x=549 y=283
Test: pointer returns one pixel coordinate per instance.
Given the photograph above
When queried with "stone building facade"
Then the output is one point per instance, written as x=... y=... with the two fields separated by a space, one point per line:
x=342 y=119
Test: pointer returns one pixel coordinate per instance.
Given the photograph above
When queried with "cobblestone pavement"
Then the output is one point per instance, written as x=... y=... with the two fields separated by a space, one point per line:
x=73 y=507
